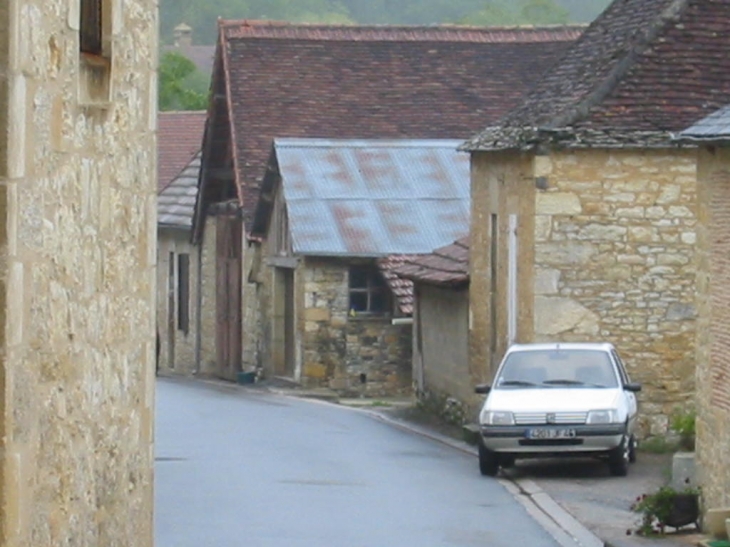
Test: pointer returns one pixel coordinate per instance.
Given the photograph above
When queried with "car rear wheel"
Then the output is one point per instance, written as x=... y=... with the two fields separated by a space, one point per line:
x=619 y=458
x=632 y=449
x=488 y=462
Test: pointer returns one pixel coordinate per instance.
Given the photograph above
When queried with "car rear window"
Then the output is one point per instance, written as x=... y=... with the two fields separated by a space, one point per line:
x=558 y=367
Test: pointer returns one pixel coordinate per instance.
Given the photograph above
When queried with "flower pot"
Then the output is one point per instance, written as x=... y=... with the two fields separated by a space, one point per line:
x=685 y=510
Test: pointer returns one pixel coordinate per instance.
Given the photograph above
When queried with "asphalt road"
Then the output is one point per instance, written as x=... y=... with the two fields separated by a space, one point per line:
x=244 y=468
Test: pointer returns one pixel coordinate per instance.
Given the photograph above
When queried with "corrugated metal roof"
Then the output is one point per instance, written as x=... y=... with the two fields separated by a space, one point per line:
x=714 y=126
x=373 y=197
x=176 y=203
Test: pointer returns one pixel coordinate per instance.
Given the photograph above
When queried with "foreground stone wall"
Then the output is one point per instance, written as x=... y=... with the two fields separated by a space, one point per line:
x=615 y=237
x=355 y=355
x=77 y=264
x=713 y=343
x=178 y=349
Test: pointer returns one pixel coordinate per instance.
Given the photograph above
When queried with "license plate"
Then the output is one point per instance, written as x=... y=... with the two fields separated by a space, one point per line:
x=550 y=433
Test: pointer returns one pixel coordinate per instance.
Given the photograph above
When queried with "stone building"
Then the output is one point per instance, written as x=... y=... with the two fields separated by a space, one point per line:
x=441 y=372
x=78 y=111
x=584 y=219
x=179 y=284
x=277 y=80
x=331 y=212
x=713 y=321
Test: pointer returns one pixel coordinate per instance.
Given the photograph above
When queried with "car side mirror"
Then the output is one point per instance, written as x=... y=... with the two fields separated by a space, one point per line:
x=633 y=387
x=483 y=389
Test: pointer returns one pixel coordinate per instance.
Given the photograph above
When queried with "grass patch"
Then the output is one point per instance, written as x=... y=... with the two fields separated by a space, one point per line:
x=381 y=404
x=657 y=445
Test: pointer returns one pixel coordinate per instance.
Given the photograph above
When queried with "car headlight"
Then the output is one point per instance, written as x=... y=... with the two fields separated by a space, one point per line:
x=603 y=417
x=490 y=417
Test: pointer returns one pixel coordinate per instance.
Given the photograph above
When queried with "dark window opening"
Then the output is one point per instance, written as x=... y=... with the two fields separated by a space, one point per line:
x=91 y=27
x=368 y=291
x=183 y=292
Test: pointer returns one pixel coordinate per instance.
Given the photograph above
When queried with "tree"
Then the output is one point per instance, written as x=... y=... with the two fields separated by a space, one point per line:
x=522 y=12
x=180 y=83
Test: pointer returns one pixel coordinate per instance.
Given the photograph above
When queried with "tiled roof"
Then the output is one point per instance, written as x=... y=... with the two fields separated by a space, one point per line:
x=179 y=139
x=643 y=70
x=176 y=203
x=401 y=287
x=350 y=82
x=447 y=266
x=369 y=198
x=716 y=126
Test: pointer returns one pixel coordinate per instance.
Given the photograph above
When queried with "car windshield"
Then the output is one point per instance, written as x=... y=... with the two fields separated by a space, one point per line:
x=557 y=368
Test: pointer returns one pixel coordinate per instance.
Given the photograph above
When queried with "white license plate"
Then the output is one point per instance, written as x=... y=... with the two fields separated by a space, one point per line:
x=550 y=433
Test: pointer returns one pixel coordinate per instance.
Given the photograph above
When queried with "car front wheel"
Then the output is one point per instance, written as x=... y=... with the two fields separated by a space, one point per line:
x=488 y=462
x=619 y=458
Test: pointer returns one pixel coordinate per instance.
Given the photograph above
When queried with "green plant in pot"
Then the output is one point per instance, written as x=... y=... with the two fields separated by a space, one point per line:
x=667 y=507
x=683 y=423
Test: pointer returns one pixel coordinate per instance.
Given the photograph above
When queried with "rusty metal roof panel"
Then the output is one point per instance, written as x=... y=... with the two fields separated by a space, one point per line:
x=373 y=197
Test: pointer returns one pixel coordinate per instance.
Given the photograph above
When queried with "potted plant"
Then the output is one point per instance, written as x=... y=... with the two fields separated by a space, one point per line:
x=667 y=507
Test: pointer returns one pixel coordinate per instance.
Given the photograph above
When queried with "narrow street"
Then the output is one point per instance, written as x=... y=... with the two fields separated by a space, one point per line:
x=239 y=467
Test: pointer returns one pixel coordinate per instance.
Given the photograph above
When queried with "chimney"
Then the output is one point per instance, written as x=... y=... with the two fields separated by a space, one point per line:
x=183 y=35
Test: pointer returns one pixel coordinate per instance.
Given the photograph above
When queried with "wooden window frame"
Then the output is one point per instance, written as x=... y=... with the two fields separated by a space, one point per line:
x=375 y=283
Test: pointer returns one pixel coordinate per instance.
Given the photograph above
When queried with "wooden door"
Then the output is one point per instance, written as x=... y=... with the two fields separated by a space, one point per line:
x=228 y=296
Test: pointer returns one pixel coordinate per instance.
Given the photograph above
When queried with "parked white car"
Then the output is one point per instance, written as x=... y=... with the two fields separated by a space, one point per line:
x=558 y=400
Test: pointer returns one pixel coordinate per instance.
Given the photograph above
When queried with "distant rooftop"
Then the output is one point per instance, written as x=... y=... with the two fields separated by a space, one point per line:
x=716 y=126
x=176 y=203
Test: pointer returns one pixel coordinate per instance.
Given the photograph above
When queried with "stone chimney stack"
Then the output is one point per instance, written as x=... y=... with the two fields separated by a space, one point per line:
x=183 y=35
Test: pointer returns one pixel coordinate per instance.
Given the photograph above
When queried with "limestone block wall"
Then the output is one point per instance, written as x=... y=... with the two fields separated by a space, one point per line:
x=251 y=319
x=363 y=354
x=178 y=348
x=77 y=271
x=615 y=238
x=713 y=326
x=207 y=290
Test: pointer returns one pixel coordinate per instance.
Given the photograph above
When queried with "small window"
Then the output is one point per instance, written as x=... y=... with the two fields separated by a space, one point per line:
x=91 y=27
x=183 y=292
x=368 y=291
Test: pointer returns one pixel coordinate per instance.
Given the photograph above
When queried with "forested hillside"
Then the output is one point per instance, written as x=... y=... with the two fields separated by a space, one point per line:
x=202 y=14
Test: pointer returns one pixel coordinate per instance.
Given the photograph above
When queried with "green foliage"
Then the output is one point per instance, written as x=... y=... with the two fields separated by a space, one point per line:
x=656 y=509
x=182 y=86
x=202 y=15
x=657 y=445
x=683 y=423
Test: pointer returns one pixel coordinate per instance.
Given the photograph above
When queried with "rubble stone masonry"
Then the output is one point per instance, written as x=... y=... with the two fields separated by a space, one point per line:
x=77 y=273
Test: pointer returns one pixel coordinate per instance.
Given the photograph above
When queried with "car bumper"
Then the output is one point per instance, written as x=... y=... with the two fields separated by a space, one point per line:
x=588 y=438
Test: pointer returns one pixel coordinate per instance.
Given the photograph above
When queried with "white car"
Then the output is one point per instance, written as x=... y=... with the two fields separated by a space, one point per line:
x=558 y=400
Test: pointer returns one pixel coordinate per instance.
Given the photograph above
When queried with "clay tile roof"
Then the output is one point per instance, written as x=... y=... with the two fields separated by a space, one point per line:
x=642 y=70
x=447 y=266
x=179 y=139
x=350 y=82
x=401 y=287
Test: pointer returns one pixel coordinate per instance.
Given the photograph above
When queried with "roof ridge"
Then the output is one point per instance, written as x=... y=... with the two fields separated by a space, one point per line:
x=637 y=44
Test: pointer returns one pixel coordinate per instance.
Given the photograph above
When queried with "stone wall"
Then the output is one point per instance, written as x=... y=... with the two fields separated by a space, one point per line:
x=713 y=343
x=77 y=264
x=353 y=355
x=178 y=349
x=208 y=298
x=441 y=351
x=615 y=238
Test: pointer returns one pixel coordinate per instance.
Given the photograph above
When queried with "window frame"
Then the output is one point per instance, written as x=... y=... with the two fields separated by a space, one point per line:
x=374 y=283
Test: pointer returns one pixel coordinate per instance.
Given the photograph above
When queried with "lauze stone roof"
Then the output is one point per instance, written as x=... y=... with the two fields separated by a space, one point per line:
x=643 y=70
x=318 y=81
x=447 y=266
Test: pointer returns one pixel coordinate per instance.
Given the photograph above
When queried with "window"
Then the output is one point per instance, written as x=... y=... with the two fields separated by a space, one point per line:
x=183 y=292
x=91 y=27
x=368 y=291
